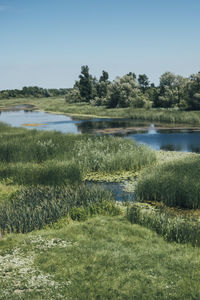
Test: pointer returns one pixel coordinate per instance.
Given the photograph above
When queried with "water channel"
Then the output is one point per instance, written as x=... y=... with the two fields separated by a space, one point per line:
x=157 y=136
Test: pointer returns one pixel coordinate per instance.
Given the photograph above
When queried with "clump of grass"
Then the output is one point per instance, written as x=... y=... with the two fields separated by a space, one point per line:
x=108 y=154
x=47 y=173
x=172 y=228
x=36 y=206
x=174 y=183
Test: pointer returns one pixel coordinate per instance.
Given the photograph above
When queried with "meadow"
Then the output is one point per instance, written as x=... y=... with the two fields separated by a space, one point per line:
x=101 y=258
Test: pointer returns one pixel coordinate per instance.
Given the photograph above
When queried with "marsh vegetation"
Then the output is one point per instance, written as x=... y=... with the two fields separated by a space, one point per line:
x=75 y=228
x=174 y=183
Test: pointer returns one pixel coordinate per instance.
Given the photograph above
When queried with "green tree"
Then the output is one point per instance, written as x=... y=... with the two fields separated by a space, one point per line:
x=104 y=77
x=102 y=85
x=125 y=92
x=143 y=82
x=85 y=84
x=171 y=90
x=192 y=92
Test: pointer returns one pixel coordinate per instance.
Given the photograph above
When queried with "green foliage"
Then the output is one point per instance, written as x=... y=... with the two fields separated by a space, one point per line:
x=85 y=84
x=174 y=91
x=143 y=82
x=73 y=96
x=174 y=183
x=32 y=91
x=36 y=206
x=170 y=227
x=101 y=208
x=192 y=92
x=125 y=92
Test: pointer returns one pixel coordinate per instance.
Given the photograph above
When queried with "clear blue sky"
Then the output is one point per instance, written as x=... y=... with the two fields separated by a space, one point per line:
x=45 y=42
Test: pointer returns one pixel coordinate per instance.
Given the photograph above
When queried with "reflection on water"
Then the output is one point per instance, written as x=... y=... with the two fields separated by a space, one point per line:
x=170 y=147
x=152 y=129
x=179 y=141
x=165 y=139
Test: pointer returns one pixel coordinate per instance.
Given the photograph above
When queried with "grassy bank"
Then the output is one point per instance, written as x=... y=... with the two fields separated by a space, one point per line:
x=59 y=105
x=69 y=263
x=178 y=225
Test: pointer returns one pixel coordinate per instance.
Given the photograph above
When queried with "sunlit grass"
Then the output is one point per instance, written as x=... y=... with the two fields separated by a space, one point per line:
x=101 y=258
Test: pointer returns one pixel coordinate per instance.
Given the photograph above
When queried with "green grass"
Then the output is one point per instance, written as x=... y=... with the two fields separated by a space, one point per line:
x=34 y=207
x=174 y=183
x=36 y=157
x=173 y=227
x=102 y=258
x=58 y=105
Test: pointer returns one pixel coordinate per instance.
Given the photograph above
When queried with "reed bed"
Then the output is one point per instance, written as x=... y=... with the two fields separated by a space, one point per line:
x=171 y=228
x=166 y=116
x=47 y=173
x=174 y=183
x=36 y=206
x=35 y=157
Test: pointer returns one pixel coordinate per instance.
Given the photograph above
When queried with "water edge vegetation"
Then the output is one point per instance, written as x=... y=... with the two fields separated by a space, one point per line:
x=67 y=258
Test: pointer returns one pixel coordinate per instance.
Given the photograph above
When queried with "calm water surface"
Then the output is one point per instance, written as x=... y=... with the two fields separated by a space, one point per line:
x=184 y=140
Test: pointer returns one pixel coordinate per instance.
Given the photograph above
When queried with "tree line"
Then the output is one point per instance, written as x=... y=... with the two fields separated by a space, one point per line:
x=173 y=91
x=32 y=91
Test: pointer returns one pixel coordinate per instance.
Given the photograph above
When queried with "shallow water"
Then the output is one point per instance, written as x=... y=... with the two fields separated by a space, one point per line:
x=178 y=140
x=117 y=189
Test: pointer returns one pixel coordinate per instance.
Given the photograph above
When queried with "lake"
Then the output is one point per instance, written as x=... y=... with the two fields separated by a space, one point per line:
x=157 y=136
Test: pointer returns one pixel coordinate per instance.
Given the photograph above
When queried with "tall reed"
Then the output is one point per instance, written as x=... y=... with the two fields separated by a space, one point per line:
x=174 y=183
x=36 y=206
x=35 y=157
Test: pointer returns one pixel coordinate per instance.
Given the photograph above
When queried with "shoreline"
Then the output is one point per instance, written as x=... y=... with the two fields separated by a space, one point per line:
x=161 y=125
